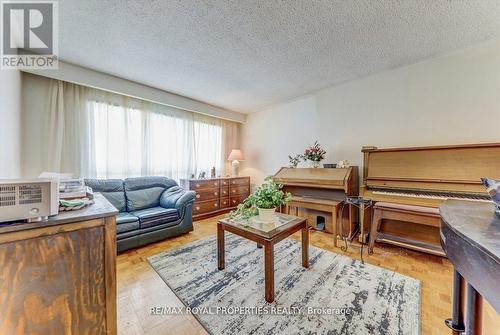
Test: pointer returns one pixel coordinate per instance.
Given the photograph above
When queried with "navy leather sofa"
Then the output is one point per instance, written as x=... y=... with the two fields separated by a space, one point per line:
x=150 y=208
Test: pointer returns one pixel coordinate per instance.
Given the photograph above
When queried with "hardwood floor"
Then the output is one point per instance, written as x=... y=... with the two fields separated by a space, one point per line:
x=140 y=288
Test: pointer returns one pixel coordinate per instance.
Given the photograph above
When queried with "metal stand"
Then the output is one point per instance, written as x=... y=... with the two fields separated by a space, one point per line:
x=360 y=203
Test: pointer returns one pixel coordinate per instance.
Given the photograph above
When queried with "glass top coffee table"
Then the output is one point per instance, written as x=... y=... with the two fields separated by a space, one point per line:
x=266 y=234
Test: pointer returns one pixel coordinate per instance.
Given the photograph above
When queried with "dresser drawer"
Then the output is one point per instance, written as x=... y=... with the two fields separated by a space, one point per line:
x=201 y=184
x=205 y=206
x=224 y=203
x=207 y=194
x=239 y=190
x=240 y=181
x=236 y=200
x=224 y=191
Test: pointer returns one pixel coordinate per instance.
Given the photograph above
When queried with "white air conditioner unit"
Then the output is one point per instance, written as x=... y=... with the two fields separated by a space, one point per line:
x=33 y=200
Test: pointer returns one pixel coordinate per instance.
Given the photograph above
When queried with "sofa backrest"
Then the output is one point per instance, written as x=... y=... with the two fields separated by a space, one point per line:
x=145 y=192
x=111 y=189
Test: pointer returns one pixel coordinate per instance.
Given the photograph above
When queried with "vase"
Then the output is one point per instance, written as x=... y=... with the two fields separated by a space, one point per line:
x=266 y=214
x=314 y=164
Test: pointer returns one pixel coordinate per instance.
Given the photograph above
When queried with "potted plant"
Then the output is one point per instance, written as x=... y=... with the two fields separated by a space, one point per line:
x=315 y=154
x=263 y=202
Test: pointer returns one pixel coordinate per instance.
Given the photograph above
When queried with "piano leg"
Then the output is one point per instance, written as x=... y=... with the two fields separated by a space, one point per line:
x=363 y=216
x=336 y=222
x=472 y=306
x=376 y=220
x=456 y=323
x=361 y=222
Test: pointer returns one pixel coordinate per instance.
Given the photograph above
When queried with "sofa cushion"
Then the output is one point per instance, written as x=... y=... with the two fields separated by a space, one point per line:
x=150 y=217
x=111 y=189
x=126 y=222
x=127 y=227
x=145 y=192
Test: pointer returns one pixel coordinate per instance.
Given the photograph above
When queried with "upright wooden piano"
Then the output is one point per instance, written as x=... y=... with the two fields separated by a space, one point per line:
x=318 y=194
x=407 y=185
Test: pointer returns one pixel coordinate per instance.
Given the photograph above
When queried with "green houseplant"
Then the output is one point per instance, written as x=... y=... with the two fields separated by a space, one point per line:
x=263 y=202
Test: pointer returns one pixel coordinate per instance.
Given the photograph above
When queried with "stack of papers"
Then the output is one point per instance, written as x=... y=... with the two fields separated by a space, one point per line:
x=69 y=187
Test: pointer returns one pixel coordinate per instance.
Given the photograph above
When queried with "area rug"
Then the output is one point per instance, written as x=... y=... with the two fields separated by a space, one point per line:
x=336 y=295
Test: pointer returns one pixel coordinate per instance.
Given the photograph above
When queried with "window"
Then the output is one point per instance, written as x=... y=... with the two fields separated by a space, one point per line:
x=140 y=138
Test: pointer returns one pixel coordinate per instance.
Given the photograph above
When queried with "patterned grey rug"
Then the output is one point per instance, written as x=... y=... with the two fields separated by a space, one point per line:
x=336 y=295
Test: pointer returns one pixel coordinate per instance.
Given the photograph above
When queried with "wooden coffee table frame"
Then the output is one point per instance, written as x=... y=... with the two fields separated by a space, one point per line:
x=268 y=243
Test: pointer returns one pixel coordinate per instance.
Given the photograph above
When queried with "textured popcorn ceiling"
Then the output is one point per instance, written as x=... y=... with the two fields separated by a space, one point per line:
x=245 y=55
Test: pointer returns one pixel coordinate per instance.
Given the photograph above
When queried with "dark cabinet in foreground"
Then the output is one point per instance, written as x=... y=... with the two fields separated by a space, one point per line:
x=59 y=276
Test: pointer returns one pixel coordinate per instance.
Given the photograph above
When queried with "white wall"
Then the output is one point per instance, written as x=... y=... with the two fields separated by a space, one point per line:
x=35 y=99
x=271 y=135
x=10 y=124
x=451 y=99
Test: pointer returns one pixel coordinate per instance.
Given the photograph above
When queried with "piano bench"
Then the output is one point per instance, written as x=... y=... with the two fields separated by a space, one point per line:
x=324 y=205
x=428 y=216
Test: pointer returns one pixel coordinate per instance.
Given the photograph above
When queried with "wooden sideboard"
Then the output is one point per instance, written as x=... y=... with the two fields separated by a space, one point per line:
x=59 y=276
x=217 y=195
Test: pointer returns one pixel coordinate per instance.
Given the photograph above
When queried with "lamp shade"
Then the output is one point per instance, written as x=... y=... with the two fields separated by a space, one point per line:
x=235 y=155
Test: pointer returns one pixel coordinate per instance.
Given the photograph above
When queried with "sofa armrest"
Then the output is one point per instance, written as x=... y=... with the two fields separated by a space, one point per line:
x=178 y=198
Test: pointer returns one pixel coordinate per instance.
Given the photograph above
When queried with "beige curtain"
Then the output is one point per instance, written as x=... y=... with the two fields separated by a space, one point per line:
x=67 y=128
x=231 y=134
x=92 y=133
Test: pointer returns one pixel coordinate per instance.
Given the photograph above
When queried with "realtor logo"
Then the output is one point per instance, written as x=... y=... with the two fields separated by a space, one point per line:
x=29 y=36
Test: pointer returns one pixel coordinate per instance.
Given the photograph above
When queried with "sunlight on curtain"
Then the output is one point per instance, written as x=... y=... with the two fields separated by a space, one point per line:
x=97 y=134
x=117 y=138
x=136 y=138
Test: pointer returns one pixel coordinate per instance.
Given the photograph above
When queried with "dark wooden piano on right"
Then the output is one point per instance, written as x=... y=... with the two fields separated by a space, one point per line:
x=407 y=186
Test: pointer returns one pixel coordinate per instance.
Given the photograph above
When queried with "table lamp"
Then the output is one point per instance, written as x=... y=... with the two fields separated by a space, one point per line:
x=235 y=156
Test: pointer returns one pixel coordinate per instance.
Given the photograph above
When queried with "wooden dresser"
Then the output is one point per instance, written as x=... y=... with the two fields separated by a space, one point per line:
x=217 y=195
x=59 y=276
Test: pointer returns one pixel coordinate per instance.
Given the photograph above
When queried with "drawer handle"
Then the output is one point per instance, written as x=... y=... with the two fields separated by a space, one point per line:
x=215 y=205
x=197 y=196
x=224 y=203
x=234 y=201
x=215 y=184
x=197 y=185
x=215 y=193
x=197 y=208
x=234 y=191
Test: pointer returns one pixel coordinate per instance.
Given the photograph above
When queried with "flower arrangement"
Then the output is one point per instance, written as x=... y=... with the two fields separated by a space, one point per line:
x=314 y=153
x=269 y=195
